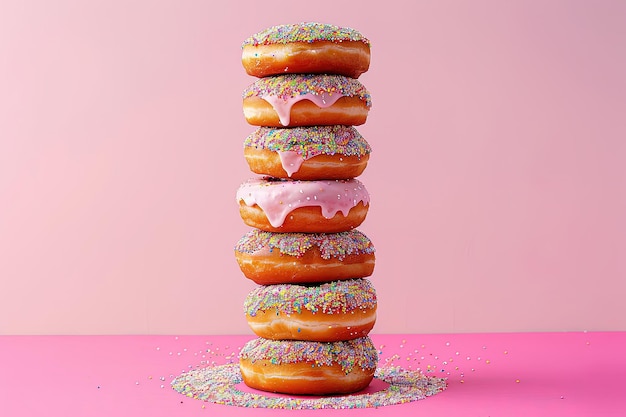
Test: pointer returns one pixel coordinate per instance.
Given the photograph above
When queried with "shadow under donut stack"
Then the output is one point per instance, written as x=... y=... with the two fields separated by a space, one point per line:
x=313 y=307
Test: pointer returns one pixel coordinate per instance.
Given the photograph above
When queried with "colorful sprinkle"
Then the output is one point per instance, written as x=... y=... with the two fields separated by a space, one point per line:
x=328 y=298
x=305 y=32
x=310 y=141
x=330 y=245
x=288 y=86
x=217 y=384
x=348 y=354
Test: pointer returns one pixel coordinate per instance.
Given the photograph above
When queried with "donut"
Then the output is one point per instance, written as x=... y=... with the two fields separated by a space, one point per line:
x=307 y=153
x=326 y=206
x=306 y=100
x=296 y=258
x=306 y=48
x=308 y=368
x=328 y=312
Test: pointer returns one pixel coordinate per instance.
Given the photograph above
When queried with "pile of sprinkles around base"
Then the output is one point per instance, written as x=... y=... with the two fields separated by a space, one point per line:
x=217 y=384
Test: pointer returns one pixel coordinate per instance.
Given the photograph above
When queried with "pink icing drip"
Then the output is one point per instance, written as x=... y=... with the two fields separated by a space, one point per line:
x=279 y=198
x=283 y=106
x=291 y=161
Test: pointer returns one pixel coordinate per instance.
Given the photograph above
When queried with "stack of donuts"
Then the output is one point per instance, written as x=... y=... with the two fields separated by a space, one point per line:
x=313 y=306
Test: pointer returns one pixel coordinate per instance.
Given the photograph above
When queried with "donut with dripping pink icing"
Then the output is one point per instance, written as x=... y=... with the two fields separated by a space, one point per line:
x=306 y=100
x=297 y=258
x=324 y=206
x=307 y=153
x=308 y=47
x=328 y=312
x=308 y=368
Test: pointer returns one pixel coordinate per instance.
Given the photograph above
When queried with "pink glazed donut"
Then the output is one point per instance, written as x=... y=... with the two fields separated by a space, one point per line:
x=307 y=153
x=328 y=206
x=306 y=100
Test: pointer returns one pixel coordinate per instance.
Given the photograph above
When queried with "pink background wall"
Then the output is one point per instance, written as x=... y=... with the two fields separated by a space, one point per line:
x=497 y=179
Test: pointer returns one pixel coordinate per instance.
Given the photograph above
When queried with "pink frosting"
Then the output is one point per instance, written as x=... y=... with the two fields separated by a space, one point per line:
x=291 y=161
x=280 y=197
x=283 y=106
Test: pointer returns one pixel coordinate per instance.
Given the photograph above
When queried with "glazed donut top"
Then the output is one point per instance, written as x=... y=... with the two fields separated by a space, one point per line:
x=334 y=297
x=283 y=91
x=331 y=245
x=310 y=141
x=277 y=198
x=304 y=32
x=348 y=354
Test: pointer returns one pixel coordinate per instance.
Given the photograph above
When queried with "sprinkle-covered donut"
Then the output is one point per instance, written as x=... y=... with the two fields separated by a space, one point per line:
x=329 y=312
x=307 y=153
x=308 y=368
x=291 y=258
x=308 y=47
x=306 y=100
x=327 y=206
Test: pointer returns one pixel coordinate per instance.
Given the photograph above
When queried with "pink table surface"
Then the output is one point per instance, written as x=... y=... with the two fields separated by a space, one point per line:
x=521 y=374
